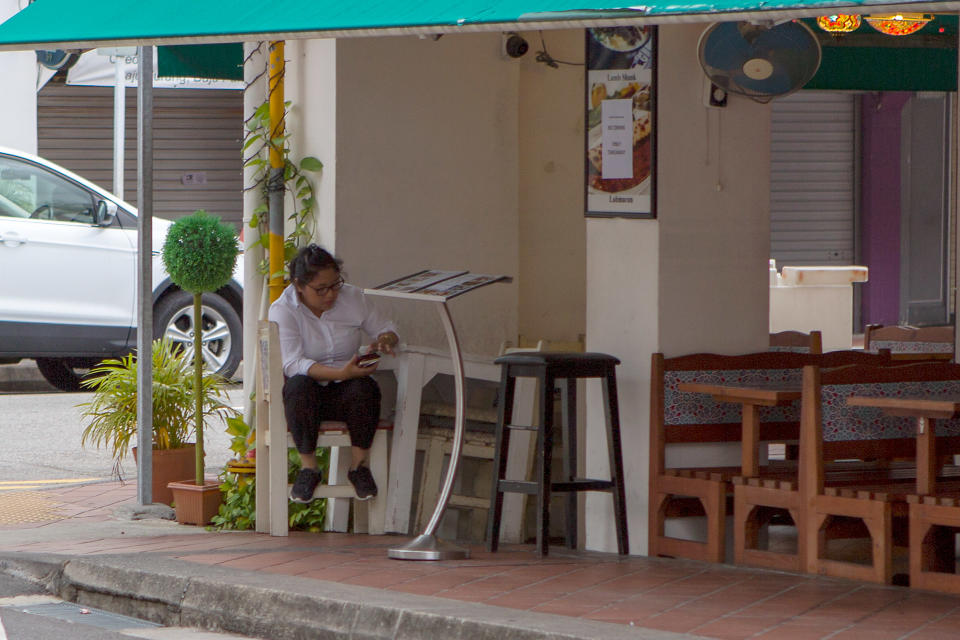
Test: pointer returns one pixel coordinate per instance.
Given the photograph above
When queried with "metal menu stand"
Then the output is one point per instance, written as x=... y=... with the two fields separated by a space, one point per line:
x=438 y=287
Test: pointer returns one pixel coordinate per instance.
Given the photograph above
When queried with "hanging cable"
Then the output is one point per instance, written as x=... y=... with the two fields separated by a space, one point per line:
x=550 y=61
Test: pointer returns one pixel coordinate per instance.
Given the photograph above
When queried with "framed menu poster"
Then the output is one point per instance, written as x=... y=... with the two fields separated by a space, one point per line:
x=620 y=126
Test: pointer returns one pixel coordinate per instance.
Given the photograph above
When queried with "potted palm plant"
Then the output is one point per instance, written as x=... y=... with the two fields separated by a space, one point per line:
x=111 y=415
x=199 y=253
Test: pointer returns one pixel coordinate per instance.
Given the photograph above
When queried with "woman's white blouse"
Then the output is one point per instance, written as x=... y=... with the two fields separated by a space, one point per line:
x=332 y=339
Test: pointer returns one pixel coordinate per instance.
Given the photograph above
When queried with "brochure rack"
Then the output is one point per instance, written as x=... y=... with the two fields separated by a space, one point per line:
x=439 y=287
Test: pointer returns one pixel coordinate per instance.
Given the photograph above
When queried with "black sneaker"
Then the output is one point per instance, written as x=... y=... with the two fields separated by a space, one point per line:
x=303 y=487
x=363 y=483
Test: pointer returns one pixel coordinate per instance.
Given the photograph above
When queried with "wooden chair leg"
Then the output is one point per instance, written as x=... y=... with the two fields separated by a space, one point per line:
x=568 y=401
x=881 y=533
x=338 y=509
x=932 y=547
x=614 y=449
x=715 y=506
x=545 y=465
x=500 y=448
x=377 y=507
x=746 y=528
x=430 y=479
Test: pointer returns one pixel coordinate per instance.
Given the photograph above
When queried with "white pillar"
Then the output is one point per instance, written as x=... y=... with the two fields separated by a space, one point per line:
x=693 y=280
x=254 y=76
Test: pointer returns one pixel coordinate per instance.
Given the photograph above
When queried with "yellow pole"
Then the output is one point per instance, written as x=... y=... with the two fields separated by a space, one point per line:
x=275 y=180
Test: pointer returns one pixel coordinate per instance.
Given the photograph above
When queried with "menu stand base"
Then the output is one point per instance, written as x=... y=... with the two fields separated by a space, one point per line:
x=428 y=547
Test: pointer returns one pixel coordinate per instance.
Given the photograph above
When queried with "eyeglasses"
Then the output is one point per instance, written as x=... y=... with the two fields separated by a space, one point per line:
x=322 y=291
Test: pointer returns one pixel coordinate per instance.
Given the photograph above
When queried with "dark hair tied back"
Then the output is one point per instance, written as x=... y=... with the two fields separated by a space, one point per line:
x=309 y=261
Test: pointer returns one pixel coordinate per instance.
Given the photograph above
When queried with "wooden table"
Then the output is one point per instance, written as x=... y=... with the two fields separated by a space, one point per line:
x=751 y=397
x=927 y=411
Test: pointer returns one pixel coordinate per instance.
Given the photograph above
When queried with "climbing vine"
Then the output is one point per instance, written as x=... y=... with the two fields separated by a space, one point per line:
x=259 y=139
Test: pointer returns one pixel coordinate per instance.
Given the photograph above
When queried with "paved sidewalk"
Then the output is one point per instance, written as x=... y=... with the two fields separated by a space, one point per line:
x=344 y=585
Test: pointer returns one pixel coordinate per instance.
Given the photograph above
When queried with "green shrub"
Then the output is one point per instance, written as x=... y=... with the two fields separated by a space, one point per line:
x=239 y=507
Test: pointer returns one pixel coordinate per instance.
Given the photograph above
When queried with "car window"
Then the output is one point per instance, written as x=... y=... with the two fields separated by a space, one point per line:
x=28 y=191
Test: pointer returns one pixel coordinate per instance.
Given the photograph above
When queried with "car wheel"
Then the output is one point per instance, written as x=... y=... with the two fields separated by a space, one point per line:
x=222 y=341
x=63 y=373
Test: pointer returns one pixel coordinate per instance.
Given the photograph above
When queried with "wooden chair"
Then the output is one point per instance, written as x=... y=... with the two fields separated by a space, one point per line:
x=797 y=341
x=910 y=343
x=691 y=471
x=273 y=443
x=852 y=479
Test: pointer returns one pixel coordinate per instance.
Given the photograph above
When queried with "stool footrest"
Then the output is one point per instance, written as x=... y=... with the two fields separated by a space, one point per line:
x=522 y=427
x=582 y=484
x=517 y=486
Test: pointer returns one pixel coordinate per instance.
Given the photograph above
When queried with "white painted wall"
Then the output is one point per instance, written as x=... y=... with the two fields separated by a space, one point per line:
x=18 y=77
x=311 y=86
x=693 y=280
x=427 y=167
x=448 y=176
x=442 y=154
x=553 y=248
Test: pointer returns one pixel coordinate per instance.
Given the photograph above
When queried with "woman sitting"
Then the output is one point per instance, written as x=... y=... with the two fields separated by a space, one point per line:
x=321 y=318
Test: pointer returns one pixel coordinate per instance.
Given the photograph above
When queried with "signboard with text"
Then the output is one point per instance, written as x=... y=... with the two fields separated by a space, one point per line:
x=620 y=121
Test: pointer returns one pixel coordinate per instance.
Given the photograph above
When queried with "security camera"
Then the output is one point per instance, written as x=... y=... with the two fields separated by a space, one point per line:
x=514 y=46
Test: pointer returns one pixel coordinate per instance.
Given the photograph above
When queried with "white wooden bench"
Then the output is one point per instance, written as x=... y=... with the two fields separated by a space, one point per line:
x=273 y=442
x=414 y=368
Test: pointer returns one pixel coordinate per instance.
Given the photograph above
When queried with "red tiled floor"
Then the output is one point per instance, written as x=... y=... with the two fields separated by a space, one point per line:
x=713 y=601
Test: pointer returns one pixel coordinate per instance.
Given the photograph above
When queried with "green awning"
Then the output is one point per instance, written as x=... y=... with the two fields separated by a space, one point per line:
x=866 y=60
x=213 y=61
x=48 y=24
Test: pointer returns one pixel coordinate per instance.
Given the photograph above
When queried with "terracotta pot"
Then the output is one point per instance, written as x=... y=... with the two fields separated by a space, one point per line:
x=195 y=504
x=169 y=465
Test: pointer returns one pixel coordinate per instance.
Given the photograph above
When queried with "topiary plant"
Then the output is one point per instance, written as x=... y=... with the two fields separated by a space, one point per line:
x=199 y=254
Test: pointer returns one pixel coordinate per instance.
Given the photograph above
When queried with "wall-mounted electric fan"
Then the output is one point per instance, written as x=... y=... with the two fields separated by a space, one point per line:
x=757 y=61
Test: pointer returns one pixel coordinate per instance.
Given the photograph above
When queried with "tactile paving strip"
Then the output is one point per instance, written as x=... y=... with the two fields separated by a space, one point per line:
x=28 y=506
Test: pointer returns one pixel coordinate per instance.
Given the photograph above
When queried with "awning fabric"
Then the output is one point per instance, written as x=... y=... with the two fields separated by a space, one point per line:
x=866 y=60
x=212 y=61
x=70 y=24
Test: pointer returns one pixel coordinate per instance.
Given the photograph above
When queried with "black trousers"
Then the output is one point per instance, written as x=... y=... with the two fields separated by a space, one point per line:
x=306 y=403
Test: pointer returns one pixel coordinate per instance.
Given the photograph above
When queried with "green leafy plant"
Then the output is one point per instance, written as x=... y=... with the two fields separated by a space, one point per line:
x=308 y=517
x=258 y=142
x=238 y=510
x=111 y=415
x=239 y=507
x=242 y=437
x=199 y=253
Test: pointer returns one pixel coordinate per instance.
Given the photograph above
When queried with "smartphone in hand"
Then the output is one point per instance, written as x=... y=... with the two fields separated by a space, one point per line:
x=368 y=359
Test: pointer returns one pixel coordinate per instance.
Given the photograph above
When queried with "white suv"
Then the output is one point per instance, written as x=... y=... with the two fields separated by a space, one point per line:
x=68 y=289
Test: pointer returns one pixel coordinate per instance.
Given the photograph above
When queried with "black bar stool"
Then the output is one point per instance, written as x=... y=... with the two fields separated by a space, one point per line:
x=548 y=367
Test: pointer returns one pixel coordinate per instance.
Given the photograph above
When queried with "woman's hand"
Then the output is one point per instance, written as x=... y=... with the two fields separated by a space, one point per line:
x=386 y=342
x=353 y=370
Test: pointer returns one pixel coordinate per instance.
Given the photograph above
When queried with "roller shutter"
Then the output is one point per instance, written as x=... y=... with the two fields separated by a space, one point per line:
x=813 y=178
x=197 y=139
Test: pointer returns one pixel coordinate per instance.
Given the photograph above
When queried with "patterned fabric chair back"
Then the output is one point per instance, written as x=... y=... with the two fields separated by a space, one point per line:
x=842 y=422
x=906 y=339
x=685 y=408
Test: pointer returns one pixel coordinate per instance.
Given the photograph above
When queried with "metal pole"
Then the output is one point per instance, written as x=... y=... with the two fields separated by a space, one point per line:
x=144 y=275
x=253 y=96
x=119 y=124
x=426 y=546
x=275 y=181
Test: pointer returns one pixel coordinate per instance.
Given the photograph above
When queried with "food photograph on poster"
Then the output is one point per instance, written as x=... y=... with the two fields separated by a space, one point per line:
x=620 y=121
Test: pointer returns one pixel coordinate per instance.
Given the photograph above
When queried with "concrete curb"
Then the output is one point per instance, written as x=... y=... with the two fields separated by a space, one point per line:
x=180 y=593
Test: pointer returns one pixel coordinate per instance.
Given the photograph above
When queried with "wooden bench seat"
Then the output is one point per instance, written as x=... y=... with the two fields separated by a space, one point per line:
x=691 y=471
x=833 y=489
